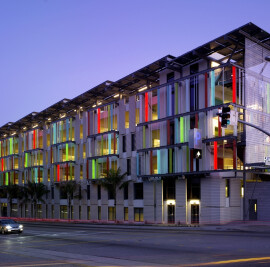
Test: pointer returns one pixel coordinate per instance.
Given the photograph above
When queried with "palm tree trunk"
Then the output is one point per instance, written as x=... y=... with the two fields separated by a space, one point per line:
x=10 y=208
x=69 y=206
x=115 y=205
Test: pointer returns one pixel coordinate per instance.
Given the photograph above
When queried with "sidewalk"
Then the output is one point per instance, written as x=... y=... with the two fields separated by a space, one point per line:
x=239 y=226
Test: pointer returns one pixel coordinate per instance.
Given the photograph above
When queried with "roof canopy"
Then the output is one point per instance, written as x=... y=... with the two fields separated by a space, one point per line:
x=228 y=47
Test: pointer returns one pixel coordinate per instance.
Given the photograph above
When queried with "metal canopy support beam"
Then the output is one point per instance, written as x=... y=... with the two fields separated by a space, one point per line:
x=207 y=57
x=230 y=57
x=171 y=67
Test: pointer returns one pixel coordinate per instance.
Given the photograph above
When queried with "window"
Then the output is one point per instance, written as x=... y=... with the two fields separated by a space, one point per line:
x=138 y=191
x=63 y=212
x=110 y=193
x=193 y=188
x=133 y=142
x=88 y=191
x=88 y=213
x=111 y=213
x=52 y=211
x=227 y=188
x=128 y=166
x=168 y=189
x=72 y=212
x=125 y=213
x=126 y=192
x=124 y=143
x=127 y=119
x=39 y=211
x=80 y=192
x=99 y=213
x=138 y=214
x=99 y=191
x=81 y=131
x=52 y=192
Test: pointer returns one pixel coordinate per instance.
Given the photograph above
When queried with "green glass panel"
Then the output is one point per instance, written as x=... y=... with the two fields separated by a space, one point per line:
x=181 y=129
x=93 y=169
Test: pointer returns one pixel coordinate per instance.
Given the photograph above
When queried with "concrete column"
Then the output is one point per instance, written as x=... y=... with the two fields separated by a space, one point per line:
x=159 y=201
x=181 y=202
x=104 y=204
x=120 y=205
x=130 y=202
x=148 y=191
x=93 y=202
x=210 y=204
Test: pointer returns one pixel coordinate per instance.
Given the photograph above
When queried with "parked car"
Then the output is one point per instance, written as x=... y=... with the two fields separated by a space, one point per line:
x=9 y=226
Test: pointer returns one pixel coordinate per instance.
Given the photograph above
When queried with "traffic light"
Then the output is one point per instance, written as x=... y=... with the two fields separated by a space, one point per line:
x=197 y=153
x=224 y=116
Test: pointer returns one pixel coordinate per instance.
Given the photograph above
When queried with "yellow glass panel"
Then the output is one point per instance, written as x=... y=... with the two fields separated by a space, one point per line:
x=156 y=138
x=127 y=119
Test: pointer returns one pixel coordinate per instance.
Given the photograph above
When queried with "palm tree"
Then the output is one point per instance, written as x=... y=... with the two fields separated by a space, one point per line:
x=12 y=191
x=22 y=197
x=36 y=191
x=2 y=195
x=112 y=182
x=68 y=188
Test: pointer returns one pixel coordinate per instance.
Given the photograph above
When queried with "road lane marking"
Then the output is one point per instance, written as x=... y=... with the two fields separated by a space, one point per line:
x=227 y=261
x=42 y=264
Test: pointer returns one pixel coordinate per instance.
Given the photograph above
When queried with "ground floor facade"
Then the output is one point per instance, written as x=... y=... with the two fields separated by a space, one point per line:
x=200 y=200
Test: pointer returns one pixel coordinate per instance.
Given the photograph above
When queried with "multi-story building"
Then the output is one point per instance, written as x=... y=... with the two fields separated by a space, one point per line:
x=148 y=124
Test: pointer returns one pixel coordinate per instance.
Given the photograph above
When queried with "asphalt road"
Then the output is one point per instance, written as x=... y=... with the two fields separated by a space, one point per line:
x=70 y=245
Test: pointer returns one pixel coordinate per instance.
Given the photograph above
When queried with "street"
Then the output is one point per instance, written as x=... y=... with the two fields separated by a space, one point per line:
x=86 y=245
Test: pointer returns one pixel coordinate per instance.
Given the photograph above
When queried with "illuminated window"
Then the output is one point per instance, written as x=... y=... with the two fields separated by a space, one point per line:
x=63 y=212
x=227 y=188
x=138 y=214
x=127 y=119
x=81 y=131
x=125 y=213
x=156 y=138
x=111 y=213
x=137 y=120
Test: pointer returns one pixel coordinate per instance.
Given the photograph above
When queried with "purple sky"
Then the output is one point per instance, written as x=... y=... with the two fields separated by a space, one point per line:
x=55 y=49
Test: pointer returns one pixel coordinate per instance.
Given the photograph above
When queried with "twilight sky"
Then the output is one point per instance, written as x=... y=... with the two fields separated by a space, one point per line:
x=55 y=49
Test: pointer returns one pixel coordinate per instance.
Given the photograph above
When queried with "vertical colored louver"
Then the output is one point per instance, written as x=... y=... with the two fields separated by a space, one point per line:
x=215 y=156
x=146 y=107
x=98 y=120
x=58 y=173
